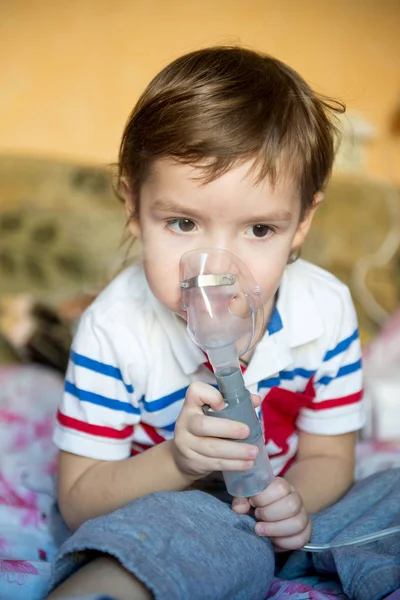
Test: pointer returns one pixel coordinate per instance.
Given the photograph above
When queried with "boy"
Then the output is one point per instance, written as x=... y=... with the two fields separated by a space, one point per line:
x=225 y=149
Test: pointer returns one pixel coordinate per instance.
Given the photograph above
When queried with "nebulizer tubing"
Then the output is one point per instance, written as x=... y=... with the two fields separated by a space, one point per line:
x=358 y=541
x=224 y=308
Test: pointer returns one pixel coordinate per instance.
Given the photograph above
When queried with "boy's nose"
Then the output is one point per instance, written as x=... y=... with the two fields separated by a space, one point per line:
x=218 y=260
x=220 y=241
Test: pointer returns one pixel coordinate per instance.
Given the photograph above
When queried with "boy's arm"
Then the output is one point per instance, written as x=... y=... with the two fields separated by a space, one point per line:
x=324 y=468
x=88 y=488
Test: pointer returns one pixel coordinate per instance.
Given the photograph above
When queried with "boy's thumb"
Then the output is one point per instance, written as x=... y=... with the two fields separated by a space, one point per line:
x=201 y=394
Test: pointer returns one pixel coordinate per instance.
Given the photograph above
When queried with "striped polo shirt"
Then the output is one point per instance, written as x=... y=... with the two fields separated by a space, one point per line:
x=132 y=361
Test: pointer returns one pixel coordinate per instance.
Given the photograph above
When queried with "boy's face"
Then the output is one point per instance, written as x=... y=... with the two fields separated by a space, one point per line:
x=178 y=212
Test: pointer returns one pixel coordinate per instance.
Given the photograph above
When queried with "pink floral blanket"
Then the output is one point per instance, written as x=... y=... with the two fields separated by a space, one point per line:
x=28 y=399
x=28 y=396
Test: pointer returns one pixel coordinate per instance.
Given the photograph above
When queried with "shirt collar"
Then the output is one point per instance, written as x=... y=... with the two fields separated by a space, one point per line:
x=299 y=311
x=295 y=320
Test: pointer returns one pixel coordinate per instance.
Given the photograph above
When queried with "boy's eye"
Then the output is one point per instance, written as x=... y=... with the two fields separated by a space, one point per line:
x=259 y=231
x=181 y=225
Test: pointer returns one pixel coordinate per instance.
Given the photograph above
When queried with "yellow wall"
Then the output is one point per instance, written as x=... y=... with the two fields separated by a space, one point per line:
x=71 y=70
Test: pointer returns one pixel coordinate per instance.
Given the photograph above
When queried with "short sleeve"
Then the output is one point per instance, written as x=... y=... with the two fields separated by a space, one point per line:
x=337 y=386
x=100 y=406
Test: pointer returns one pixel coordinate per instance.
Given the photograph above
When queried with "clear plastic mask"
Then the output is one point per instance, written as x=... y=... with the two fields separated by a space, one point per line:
x=224 y=304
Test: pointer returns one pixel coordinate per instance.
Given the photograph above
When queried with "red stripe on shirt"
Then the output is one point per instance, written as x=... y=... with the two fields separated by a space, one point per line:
x=152 y=433
x=310 y=389
x=97 y=430
x=335 y=402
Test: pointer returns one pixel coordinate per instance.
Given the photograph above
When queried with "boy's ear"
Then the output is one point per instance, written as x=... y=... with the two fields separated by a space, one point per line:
x=133 y=223
x=134 y=226
x=305 y=224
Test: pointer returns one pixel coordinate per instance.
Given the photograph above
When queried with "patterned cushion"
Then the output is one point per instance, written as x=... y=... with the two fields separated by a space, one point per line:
x=61 y=228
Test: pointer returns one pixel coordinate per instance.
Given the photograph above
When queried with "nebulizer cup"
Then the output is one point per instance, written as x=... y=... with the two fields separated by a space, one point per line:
x=224 y=309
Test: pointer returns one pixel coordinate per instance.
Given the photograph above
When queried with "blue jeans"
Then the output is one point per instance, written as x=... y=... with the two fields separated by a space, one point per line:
x=191 y=545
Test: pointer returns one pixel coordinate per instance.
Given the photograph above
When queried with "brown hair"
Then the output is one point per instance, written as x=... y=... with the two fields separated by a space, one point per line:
x=219 y=106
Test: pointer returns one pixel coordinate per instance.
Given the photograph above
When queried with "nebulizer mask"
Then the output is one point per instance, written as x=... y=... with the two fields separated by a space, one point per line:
x=224 y=307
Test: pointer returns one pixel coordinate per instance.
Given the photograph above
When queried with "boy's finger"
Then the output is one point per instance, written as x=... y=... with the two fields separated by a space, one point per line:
x=198 y=394
x=219 y=448
x=285 y=508
x=283 y=544
x=240 y=505
x=285 y=528
x=209 y=426
x=276 y=490
x=256 y=400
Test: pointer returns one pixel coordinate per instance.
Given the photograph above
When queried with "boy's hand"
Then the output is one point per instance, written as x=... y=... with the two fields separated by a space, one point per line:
x=202 y=443
x=280 y=513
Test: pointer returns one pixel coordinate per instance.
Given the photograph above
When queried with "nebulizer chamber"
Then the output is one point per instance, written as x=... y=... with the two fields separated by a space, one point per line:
x=224 y=309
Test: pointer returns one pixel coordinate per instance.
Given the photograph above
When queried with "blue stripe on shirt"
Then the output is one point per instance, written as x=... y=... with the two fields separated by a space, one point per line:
x=284 y=375
x=342 y=346
x=170 y=427
x=275 y=322
x=98 y=367
x=299 y=372
x=85 y=396
x=345 y=370
x=269 y=383
x=164 y=401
